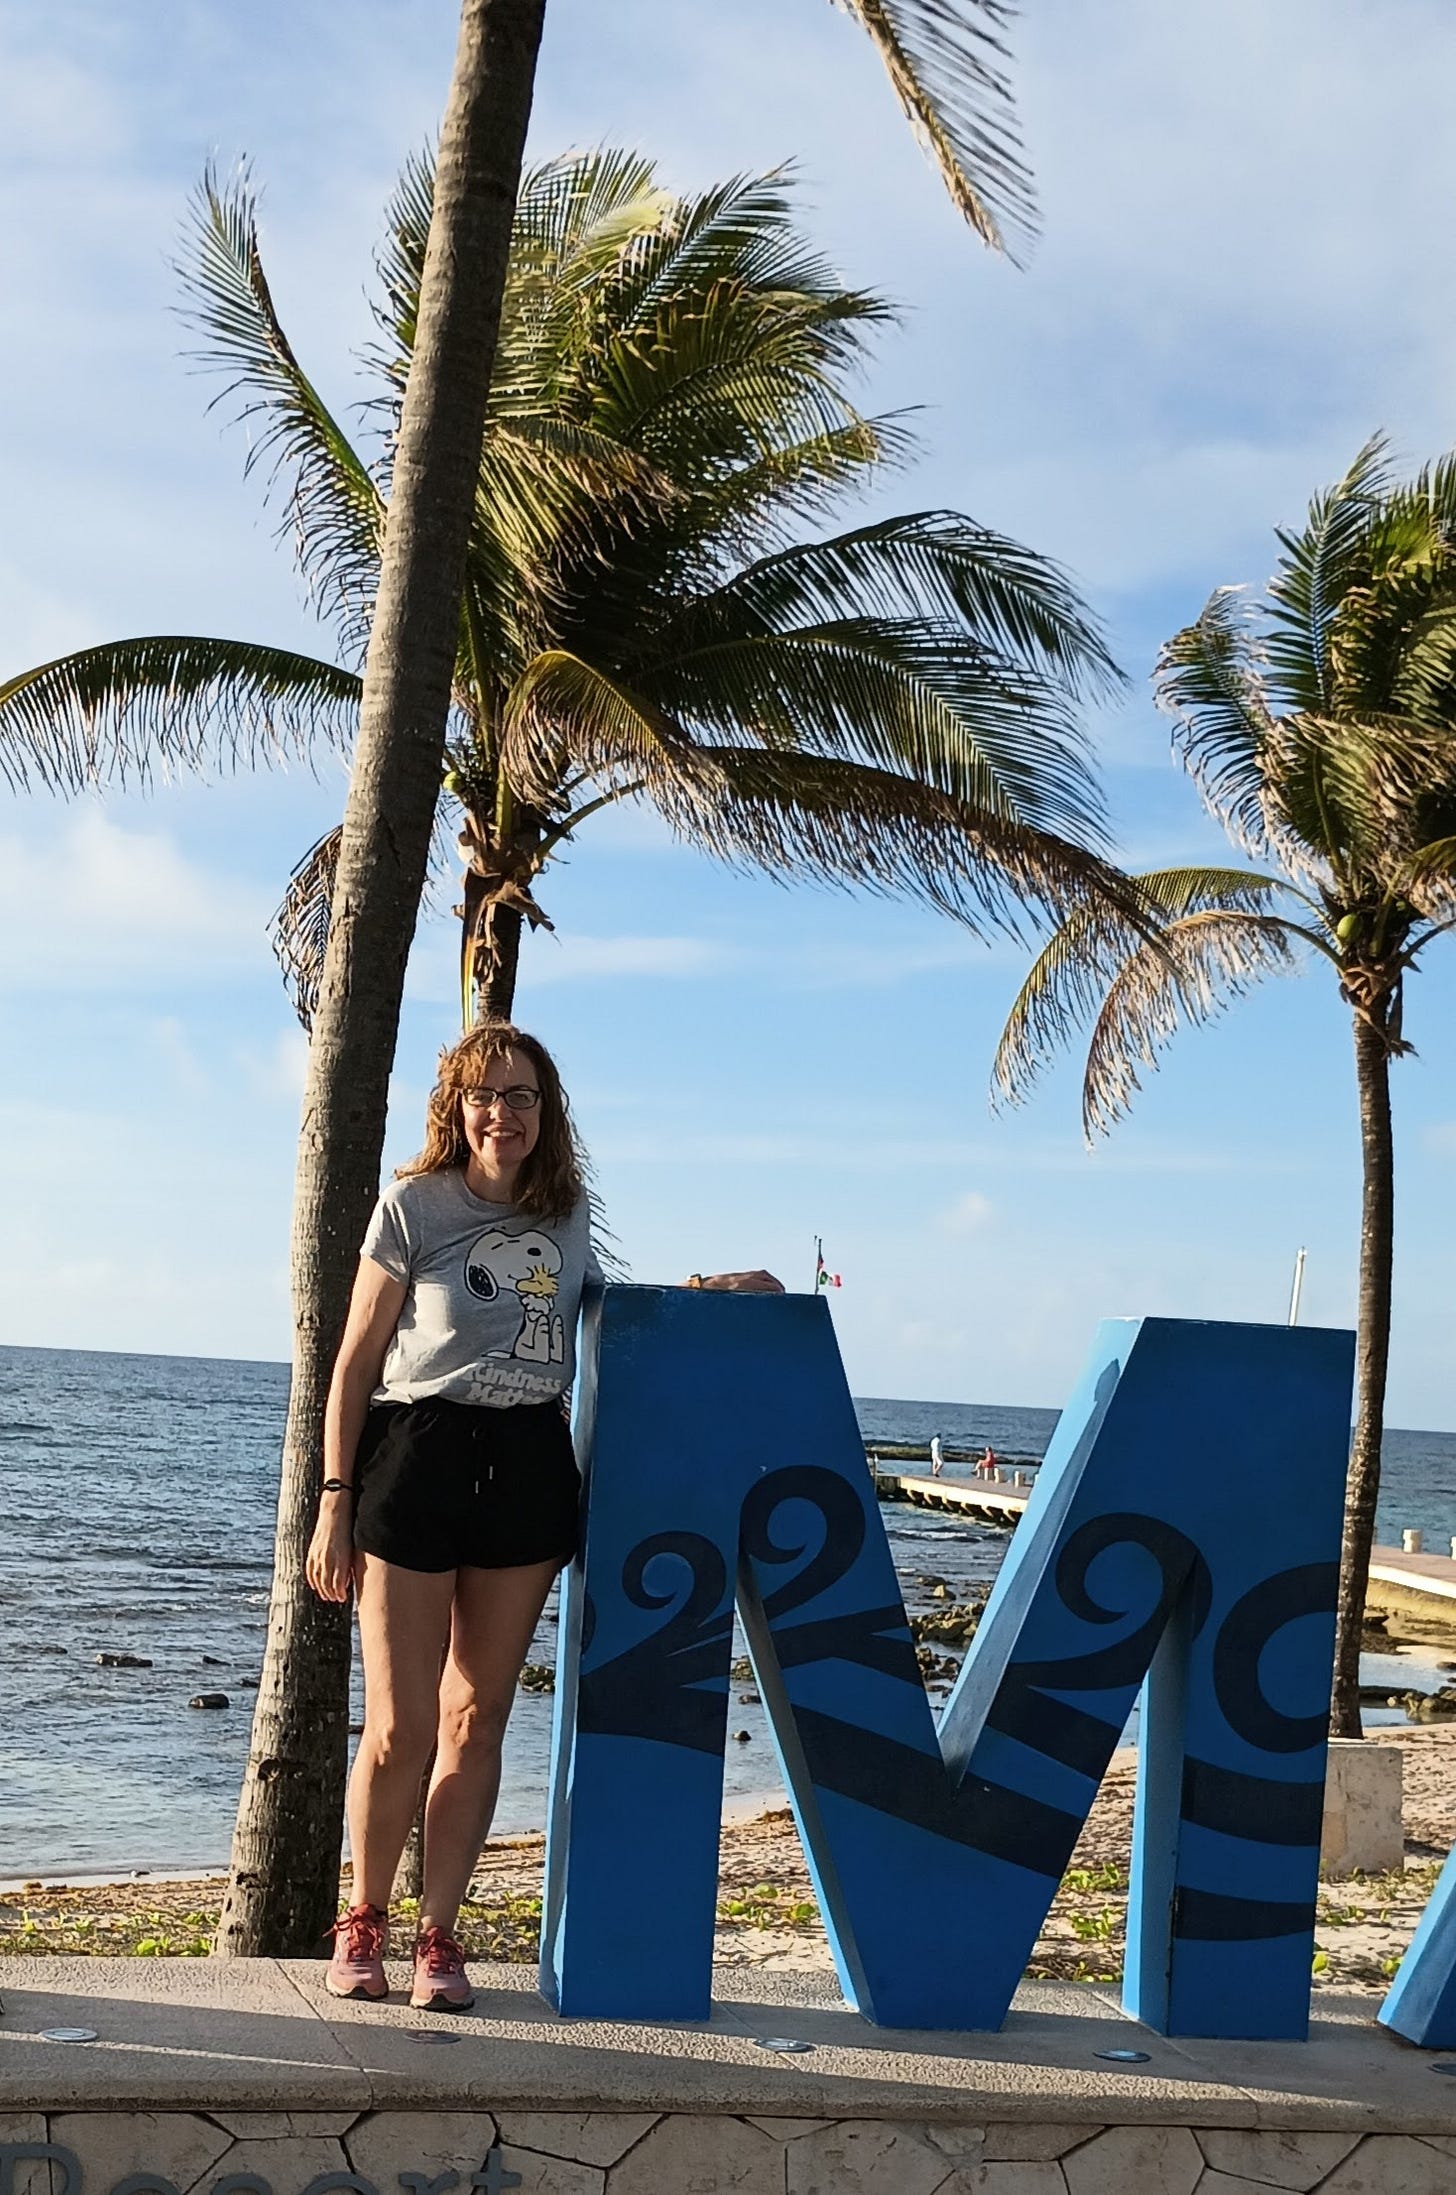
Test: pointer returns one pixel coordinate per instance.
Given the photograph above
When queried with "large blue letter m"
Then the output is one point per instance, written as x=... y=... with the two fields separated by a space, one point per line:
x=1185 y=1530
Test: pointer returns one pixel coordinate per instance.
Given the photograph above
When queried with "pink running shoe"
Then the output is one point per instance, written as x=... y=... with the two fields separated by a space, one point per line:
x=440 y=1979
x=357 y=1966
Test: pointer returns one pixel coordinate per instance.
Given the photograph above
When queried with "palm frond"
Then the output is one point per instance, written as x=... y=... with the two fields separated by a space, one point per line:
x=758 y=501
x=1428 y=880
x=725 y=377
x=668 y=390
x=739 y=236
x=1318 y=566
x=542 y=487
x=567 y=715
x=1209 y=678
x=1366 y=793
x=583 y=209
x=906 y=694
x=1422 y=684
x=576 y=217
x=1069 y=981
x=947 y=62
x=131 y=709
x=927 y=564
x=817 y=819
x=1320 y=726
x=1392 y=642
x=299 y=929
x=1205 y=962
x=334 y=504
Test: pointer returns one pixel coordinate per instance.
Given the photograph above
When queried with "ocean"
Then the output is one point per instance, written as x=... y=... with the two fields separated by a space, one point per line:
x=138 y=1497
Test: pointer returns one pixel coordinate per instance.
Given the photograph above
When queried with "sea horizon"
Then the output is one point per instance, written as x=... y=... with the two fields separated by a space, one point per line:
x=919 y=1402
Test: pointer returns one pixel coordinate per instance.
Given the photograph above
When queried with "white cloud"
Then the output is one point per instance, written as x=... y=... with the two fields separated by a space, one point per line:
x=93 y=901
x=276 y=1072
x=89 y=899
x=565 y=956
x=817 y=966
x=55 y=113
x=553 y=957
x=179 y=1054
x=969 y=1214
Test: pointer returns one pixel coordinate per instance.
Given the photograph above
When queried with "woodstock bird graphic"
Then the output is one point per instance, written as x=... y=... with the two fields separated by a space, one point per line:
x=501 y=1267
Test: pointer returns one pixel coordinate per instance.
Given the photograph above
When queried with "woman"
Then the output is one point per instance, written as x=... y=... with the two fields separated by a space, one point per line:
x=450 y=1487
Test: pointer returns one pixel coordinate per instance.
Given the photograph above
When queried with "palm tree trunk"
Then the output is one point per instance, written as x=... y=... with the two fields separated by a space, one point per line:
x=1377 y=1246
x=283 y=1887
x=496 y=963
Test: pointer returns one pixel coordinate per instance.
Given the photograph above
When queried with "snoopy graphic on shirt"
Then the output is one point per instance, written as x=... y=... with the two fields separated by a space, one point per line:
x=521 y=1270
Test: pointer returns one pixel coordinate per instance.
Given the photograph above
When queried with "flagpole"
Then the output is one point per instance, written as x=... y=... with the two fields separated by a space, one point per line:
x=818 y=1262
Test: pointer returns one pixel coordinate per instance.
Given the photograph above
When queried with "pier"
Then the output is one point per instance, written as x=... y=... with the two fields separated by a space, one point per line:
x=986 y=1501
x=1413 y=1579
x=1407 y=1576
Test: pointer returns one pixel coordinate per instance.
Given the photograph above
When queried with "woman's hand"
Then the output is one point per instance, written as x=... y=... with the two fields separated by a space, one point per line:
x=739 y=1284
x=330 y=1564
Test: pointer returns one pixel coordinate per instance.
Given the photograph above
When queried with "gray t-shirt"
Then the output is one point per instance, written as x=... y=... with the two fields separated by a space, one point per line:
x=491 y=1312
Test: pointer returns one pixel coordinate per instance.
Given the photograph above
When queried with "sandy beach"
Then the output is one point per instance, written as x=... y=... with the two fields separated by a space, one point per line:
x=766 y=1912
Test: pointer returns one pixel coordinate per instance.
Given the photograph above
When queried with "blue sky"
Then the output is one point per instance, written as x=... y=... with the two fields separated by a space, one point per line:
x=1247 y=215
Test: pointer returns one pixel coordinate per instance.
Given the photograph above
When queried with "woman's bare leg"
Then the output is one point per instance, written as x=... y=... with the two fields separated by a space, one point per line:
x=495 y=1613
x=404 y=1621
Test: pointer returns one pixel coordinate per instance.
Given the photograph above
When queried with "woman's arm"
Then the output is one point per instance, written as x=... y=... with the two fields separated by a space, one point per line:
x=374 y=1310
x=756 y=1283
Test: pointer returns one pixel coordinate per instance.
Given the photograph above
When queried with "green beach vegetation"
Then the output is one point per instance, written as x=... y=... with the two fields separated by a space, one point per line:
x=1317 y=720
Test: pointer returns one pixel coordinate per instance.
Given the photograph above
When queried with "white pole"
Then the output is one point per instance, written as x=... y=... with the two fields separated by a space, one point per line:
x=1294 y=1293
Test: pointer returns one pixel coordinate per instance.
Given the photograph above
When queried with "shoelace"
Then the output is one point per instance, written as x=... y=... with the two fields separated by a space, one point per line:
x=363 y=1933
x=441 y=1953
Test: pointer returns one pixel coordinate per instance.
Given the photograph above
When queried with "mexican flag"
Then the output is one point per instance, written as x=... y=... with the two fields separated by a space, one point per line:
x=823 y=1278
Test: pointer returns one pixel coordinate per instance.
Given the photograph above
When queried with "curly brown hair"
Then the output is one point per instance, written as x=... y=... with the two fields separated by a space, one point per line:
x=550 y=1184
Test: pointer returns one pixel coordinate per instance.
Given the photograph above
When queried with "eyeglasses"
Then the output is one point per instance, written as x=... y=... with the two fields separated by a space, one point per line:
x=521 y=1098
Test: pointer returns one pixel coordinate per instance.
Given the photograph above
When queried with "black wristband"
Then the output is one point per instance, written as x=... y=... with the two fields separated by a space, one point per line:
x=337 y=1486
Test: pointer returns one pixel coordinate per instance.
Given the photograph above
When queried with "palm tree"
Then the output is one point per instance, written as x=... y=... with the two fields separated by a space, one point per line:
x=945 y=59
x=892 y=708
x=1319 y=724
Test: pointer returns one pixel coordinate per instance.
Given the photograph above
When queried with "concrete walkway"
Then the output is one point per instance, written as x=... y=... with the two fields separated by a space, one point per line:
x=189 y=2035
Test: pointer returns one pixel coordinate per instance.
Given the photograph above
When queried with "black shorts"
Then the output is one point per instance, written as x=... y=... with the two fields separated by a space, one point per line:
x=448 y=1484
